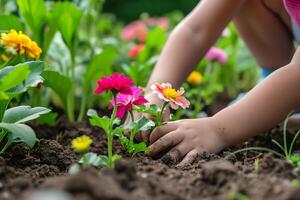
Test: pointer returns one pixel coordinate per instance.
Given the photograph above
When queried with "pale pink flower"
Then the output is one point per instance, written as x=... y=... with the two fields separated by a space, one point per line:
x=216 y=54
x=137 y=30
x=168 y=94
x=126 y=101
x=226 y=32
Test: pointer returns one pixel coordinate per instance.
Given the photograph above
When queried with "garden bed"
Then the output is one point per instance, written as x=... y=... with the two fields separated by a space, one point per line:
x=25 y=172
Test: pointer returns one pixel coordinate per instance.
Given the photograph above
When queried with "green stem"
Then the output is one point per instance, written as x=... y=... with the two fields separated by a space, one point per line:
x=161 y=113
x=110 y=134
x=132 y=132
x=6 y=63
x=82 y=107
x=71 y=99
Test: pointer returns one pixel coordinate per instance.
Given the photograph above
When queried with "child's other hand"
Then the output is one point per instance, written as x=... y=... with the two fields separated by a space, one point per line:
x=186 y=139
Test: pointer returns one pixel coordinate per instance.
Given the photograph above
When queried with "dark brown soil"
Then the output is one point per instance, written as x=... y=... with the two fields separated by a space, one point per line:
x=28 y=174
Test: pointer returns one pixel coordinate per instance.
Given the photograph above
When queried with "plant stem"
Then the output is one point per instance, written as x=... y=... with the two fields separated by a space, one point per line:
x=110 y=134
x=161 y=113
x=132 y=132
x=71 y=99
x=82 y=106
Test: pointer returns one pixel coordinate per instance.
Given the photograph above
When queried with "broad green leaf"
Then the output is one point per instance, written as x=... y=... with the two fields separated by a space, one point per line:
x=152 y=110
x=8 y=22
x=21 y=133
x=10 y=77
x=35 y=68
x=59 y=83
x=49 y=119
x=68 y=20
x=137 y=148
x=100 y=65
x=34 y=13
x=143 y=124
x=23 y=114
x=95 y=120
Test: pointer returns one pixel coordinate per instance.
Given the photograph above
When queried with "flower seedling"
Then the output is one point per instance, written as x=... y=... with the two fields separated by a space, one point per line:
x=81 y=145
x=125 y=104
x=124 y=97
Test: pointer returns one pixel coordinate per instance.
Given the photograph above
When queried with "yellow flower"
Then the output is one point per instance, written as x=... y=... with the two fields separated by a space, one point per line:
x=21 y=43
x=81 y=144
x=195 y=78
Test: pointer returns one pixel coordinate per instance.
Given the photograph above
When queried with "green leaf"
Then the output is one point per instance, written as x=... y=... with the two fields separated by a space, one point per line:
x=10 y=77
x=23 y=114
x=35 y=14
x=92 y=159
x=68 y=20
x=137 y=148
x=21 y=133
x=16 y=73
x=100 y=65
x=143 y=124
x=59 y=83
x=49 y=119
x=8 y=22
x=95 y=120
x=152 y=110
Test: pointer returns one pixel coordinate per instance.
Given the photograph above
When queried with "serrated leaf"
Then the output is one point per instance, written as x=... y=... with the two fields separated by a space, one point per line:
x=23 y=114
x=101 y=122
x=137 y=148
x=21 y=133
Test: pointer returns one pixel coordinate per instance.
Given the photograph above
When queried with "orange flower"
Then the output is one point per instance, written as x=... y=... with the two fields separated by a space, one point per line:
x=21 y=43
x=168 y=94
x=135 y=50
x=195 y=78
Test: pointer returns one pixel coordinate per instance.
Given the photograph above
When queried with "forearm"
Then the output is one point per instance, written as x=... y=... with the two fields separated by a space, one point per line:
x=191 y=39
x=262 y=108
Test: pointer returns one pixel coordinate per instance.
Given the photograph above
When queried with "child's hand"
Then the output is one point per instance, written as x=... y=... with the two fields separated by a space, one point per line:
x=186 y=139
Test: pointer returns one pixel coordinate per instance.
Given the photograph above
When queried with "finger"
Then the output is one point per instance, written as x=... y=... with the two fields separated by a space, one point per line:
x=165 y=142
x=161 y=131
x=176 y=154
x=189 y=158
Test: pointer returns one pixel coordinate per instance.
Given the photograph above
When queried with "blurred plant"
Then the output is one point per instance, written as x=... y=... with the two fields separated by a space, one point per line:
x=237 y=196
x=257 y=165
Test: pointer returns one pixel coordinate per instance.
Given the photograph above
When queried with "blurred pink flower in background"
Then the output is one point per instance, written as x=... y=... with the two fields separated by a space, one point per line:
x=135 y=50
x=226 y=32
x=216 y=54
x=137 y=30
x=126 y=101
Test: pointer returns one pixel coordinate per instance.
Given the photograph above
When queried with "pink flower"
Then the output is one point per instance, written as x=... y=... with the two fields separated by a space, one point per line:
x=168 y=94
x=216 y=54
x=115 y=83
x=137 y=30
x=135 y=50
x=161 y=22
x=226 y=32
x=126 y=101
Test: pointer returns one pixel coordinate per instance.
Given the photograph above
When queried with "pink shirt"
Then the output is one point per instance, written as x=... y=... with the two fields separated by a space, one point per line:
x=293 y=8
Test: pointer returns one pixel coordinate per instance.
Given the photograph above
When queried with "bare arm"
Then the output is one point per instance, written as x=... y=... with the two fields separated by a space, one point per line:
x=264 y=106
x=192 y=38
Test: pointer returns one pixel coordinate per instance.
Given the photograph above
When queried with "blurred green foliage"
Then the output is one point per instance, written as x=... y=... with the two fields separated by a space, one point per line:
x=128 y=10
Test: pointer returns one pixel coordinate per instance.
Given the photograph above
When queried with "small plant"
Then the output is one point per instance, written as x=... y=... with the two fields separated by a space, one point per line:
x=237 y=196
x=124 y=97
x=81 y=145
x=257 y=165
x=295 y=183
x=286 y=149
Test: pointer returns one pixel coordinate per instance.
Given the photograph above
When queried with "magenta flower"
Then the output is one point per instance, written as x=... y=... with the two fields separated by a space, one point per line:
x=115 y=83
x=216 y=54
x=126 y=101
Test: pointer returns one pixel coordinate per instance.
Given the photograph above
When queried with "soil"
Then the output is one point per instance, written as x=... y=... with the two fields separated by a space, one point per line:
x=42 y=173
